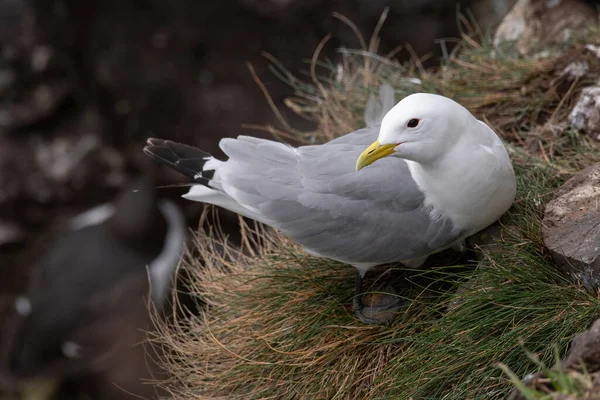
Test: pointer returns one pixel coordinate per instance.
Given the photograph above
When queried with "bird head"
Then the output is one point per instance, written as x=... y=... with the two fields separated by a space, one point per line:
x=420 y=128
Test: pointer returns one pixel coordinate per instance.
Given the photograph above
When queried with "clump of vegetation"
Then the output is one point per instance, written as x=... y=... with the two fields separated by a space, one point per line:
x=554 y=383
x=277 y=323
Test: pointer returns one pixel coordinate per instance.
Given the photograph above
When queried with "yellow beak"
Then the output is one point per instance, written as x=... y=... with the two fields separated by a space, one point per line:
x=373 y=153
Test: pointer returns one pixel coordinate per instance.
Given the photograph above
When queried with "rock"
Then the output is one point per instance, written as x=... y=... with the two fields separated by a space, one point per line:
x=533 y=23
x=583 y=359
x=571 y=226
x=585 y=350
x=585 y=116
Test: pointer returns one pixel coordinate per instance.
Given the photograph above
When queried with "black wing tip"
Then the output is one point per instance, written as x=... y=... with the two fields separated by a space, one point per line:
x=153 y=146
x=149 y=151
x=164 y=150
x=181 y=149
x=183 y=158
x=155 y=141
x=161 y=154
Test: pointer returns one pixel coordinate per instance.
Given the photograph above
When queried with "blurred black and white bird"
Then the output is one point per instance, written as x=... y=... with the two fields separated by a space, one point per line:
x=87 y=302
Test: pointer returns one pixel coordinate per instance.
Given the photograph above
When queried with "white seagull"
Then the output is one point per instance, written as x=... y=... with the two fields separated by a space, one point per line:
x=425 y=179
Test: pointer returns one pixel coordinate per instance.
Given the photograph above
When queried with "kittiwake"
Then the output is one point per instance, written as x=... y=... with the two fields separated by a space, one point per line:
x=427 y=177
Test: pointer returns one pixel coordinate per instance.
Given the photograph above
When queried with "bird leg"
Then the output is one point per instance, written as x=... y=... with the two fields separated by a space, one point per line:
x=358 y=295
x=377 y=314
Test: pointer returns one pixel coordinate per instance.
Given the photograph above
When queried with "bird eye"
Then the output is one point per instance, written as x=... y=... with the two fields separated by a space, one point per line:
x=413 y=123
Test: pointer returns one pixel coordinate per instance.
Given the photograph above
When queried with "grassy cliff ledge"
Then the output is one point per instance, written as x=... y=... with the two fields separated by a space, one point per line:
x=277 y=323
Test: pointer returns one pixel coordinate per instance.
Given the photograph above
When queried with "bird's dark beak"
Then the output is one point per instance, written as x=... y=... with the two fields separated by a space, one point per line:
x=373 y=153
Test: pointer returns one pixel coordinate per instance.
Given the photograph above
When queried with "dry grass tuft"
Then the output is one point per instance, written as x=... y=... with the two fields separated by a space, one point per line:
x=270 y=316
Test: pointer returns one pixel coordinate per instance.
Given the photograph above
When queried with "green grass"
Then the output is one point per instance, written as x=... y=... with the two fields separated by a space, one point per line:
x=277 y=323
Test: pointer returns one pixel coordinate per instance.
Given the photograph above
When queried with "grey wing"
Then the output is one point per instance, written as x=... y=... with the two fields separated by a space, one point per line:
x=314 y=195
x=377 y=107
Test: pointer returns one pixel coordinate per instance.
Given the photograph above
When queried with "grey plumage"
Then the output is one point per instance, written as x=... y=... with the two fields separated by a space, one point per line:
x=314 y=195
x=377 y=107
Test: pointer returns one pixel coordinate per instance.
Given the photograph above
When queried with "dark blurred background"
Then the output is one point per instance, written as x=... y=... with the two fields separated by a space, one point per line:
x=82 y=85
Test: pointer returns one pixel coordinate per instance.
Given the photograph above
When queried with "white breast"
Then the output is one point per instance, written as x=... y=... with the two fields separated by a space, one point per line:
x=473 y=186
